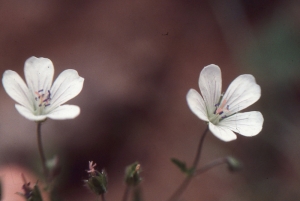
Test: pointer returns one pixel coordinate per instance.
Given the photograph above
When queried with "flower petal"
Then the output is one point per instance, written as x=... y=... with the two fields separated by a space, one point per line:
x=16 y=88
x=196 y=104
x=210 y=83
x=28 y=114
x=64 y=112
x=241 y=93
x=222 y=133
x=246 y=123
x=39 y=74
x=67 y=85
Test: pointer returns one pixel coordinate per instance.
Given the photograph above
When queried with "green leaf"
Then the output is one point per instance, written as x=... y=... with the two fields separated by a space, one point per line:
x=181 y=165
x=36 y=194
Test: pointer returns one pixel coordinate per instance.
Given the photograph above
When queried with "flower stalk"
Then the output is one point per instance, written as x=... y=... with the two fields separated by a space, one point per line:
x=41 y=150
x=189 y=177
x=103 y=197
x=211 y=165
x=126 y=193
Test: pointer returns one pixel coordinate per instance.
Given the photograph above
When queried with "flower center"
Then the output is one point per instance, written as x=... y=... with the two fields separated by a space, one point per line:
x=42 y=99
x=220 y=112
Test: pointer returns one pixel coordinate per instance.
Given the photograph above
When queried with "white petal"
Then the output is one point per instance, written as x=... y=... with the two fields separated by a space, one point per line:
x=67 y=85
x=196 y=104
x=246 y=123
x=221 y=132
x=17 y=89
x=210 y=83
x=38 y=74
x=28 y=114
x=241 y=93
x=64 y=112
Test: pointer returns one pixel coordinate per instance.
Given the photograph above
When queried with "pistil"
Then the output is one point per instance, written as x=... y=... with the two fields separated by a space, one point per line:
x=221 y=109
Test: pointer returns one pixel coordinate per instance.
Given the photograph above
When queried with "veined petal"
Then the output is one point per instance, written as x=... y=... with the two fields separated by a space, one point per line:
x=241 y=93
x=210 y=83
x=67 y=85
x=221 y=132
x=28 y=114
x=38 y=74
x=64 y=112
x=16 y=88
x=246 y=123
x=196 y=104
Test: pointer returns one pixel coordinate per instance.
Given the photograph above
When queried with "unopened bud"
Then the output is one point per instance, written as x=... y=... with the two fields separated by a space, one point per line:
x=54 y=168
x=132 y=174
x=97 y=181
x=233 y=164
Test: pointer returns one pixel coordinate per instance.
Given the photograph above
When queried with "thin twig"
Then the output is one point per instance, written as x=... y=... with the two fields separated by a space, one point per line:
x=188 y=179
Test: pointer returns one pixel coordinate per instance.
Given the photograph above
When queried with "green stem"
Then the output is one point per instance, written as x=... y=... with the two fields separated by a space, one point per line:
x=188 y=179
x=41 y=150
x=103 y=197
x=126 y=193
x=210 y=165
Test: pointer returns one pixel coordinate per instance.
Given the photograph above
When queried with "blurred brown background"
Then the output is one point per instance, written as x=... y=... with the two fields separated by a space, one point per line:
x=139 y=59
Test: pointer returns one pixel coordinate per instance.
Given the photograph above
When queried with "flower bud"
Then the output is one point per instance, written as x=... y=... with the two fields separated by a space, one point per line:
x=54 y=168
x=233 y=164
x=97 y=181
x=132 y=174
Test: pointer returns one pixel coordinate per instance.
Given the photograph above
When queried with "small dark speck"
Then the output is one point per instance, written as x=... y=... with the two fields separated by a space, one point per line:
x=166 y=34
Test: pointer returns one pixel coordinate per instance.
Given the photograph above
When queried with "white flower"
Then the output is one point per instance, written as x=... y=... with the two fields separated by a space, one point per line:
x=221 y=111
x=39 y=100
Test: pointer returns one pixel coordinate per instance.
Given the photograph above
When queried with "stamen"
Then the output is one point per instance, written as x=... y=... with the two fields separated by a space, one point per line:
x=43 y=100
x=222 y=108
x=223 y=117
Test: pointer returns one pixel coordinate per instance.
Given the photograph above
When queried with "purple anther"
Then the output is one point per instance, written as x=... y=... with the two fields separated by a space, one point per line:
x=223 y=117
x=47 y=104
x=220 y=112
x=41 y=90
x=49 y=94
x=227 y=107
